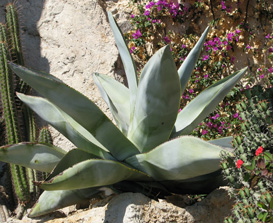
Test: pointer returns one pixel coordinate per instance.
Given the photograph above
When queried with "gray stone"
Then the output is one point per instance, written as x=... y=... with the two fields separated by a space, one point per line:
x=137 y=208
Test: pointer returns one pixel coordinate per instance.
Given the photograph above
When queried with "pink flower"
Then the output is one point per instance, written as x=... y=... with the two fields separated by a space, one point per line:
x=132 y=49
x=248 y=47
x=183 y=46
x=190 y=91
x=166 y=39
x=179 y=110
x=239 y=163
x=205 y=57
x=137 y=34
x=147 y=12
x=132 y=16
x=237 y=31
x=206 y=76
x=228 y=47
x=259 y=151
x=204 y=132
x=223 y=5
x=230 y=35
x=267 y=36
x=270 y=50
x=261 y=76
x=270 y=69
x=236 y=115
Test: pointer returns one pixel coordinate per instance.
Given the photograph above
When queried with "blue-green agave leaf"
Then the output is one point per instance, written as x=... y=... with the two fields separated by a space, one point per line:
x=201 y=106
x=179 y=159
x=78 y=135
x=93 y=173
x=71 y=158
x=53 y=200
x=117 y=97
x=188 y=65
x=225 y=142
x=41 y=157
x=81 y=109
x=157 y=102
x=127 y=60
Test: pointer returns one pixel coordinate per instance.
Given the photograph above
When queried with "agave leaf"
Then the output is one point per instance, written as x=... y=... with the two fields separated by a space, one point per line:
x=78 y=135
x=179 y=159
x=72 y=157
x=127 y=60
x=225 y=142
x=187 y=66
x=157 y=102
x=53 y=200
x=117 y=97
x=81 y=109
x=198 y=185
x=41 y=157
x=205 y=103
x=92 y=173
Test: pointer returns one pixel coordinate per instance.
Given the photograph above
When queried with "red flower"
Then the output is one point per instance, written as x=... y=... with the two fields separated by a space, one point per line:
x=239 y=163
x=259 y=151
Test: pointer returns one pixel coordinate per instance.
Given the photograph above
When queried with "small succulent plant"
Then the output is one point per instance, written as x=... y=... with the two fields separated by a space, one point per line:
x=249 y=170
x=147 y=150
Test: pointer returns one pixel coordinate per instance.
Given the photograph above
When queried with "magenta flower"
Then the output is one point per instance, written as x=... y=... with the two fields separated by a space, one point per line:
x=270 y=69
x=261 y=76
x=228 y=47
x=236 y=115
x=159 y=8
x=137 y=34
x=190 y=91
x=166 y=39
x=223 y=5
x=270 y=50
x=216 y=116
x=204 y=132
x=150 y=5
x=237 y=31
x=132 y=16
x=205 y=57
x=147 y=12
x=230 y=36
x=132 y=49
x=183 y=46
x=206 y=76
x=267 y=36
x=248 y=47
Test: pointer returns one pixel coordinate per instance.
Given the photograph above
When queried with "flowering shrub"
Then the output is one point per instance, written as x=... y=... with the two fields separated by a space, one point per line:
x=233 y=40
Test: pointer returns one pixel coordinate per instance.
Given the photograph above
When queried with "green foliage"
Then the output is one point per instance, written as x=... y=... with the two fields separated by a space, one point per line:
x=138 y=152
x=250 y=169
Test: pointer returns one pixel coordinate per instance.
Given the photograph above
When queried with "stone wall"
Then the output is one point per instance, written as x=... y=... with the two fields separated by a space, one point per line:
x=71 y=40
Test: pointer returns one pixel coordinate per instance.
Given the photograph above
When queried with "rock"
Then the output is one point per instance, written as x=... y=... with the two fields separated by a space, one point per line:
x=137 y=208
x=72 y=40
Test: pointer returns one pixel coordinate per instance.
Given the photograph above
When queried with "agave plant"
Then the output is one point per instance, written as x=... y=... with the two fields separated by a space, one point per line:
x=147 y=150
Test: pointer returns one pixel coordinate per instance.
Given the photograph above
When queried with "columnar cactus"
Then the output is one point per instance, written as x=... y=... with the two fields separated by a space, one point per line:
x=249 y=170
x=17 y=122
